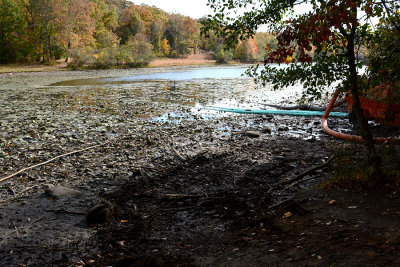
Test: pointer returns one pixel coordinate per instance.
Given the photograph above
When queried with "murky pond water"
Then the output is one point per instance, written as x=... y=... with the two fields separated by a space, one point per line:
x=172 y=96
x=150 y=94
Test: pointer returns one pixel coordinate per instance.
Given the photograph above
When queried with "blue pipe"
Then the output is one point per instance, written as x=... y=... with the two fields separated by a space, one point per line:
x=278 y=112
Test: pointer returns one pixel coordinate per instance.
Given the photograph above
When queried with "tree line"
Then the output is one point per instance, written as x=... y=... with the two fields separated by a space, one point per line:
x=104 y=33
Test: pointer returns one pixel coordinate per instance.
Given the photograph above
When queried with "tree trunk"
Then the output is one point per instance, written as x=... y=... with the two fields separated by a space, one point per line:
x=365 y=130
x=375 y=176
x=69 y=47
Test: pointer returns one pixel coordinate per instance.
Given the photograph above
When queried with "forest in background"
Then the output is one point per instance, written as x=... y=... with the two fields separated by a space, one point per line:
x=107 y=33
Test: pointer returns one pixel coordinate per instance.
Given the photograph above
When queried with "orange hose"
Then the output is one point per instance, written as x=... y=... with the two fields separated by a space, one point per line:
x=355 y=138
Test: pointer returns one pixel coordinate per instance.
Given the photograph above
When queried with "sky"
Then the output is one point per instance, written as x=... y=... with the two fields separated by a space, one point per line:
x=192 y=8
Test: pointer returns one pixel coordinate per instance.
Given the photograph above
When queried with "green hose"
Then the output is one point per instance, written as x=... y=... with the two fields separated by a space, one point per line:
x=278 y=112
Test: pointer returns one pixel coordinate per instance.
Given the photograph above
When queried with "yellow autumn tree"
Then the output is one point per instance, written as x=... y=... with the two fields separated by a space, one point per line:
x=165 y=47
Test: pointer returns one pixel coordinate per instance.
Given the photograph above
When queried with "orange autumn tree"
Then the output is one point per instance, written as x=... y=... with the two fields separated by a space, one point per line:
x=246 y=50
x=76 y=25
x=165 y=47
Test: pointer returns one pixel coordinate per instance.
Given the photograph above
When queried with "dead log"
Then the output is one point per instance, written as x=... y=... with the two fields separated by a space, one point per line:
x=304 y=106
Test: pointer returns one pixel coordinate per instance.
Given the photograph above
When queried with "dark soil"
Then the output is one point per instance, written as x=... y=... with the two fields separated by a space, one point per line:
x=214 y=211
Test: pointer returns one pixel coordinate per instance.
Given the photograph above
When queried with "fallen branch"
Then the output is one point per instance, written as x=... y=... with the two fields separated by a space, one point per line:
x=201 y=191
x=280 y=203
x=16 y=228
x=297 y=107
x=200 y=154
x=305 y=106
x=35 y=221
x=178 y=155
x=46 y=162
x=305 y=173
x=296 y=183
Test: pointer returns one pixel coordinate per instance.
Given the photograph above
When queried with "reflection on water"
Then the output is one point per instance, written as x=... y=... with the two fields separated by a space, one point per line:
x=153 y=95
x=214 y=73
x=202 y=73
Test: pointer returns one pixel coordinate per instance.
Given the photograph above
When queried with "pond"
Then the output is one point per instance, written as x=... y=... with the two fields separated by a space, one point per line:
x=184 y=94
x=87 y=107
x=196 y=87
x=199 y=73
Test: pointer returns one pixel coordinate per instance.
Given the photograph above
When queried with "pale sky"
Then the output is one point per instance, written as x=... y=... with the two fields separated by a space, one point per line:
x=192 y=8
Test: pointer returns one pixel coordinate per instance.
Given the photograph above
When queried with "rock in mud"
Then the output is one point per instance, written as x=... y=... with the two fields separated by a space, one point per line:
x=283 y=129
x=59 y=191
x=267 y=130
x=100 y=213
x=253 y=134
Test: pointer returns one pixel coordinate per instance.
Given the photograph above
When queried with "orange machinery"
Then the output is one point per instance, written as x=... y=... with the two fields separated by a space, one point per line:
x=381 y=104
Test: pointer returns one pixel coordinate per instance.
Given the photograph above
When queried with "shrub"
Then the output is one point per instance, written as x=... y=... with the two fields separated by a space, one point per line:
x=140 y=51
x=135 y=52
x=82 y=56
x=107 y=57
x=221 y=55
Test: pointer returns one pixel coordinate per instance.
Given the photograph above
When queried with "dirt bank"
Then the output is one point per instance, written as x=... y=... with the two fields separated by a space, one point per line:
x=202 y=58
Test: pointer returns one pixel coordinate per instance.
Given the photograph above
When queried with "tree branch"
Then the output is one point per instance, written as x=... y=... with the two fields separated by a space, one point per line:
x=46 y=162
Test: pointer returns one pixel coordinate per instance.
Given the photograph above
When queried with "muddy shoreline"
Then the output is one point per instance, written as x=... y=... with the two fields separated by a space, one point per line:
x=187 y=188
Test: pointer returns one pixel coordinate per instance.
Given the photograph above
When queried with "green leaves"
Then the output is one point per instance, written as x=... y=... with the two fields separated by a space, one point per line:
x=326 y=30
x=13 y=45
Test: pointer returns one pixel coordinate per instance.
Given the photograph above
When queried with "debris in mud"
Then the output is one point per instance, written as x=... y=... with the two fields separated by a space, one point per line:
x=253 y=134
x=266 y=130
x=59 y=191
x=100 y=213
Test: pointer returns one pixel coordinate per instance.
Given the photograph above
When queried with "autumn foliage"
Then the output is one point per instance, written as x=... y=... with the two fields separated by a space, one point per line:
x=165 y=47
x=322 y=28
x=91 y=31
x=106 y=33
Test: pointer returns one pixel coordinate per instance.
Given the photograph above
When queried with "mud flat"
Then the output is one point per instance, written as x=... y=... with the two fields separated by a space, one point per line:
x=188 y=186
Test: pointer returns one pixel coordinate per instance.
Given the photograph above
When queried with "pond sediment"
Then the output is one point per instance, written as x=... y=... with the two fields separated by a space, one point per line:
x=159 y=152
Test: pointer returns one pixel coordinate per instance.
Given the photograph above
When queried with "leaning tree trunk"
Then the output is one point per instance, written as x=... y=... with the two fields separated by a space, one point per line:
x=375 y=176
x=353 y=82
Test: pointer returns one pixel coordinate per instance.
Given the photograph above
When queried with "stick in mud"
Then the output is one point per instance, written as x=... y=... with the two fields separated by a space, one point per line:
x=46 y=162
x=307 y=172
x=178 y=155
